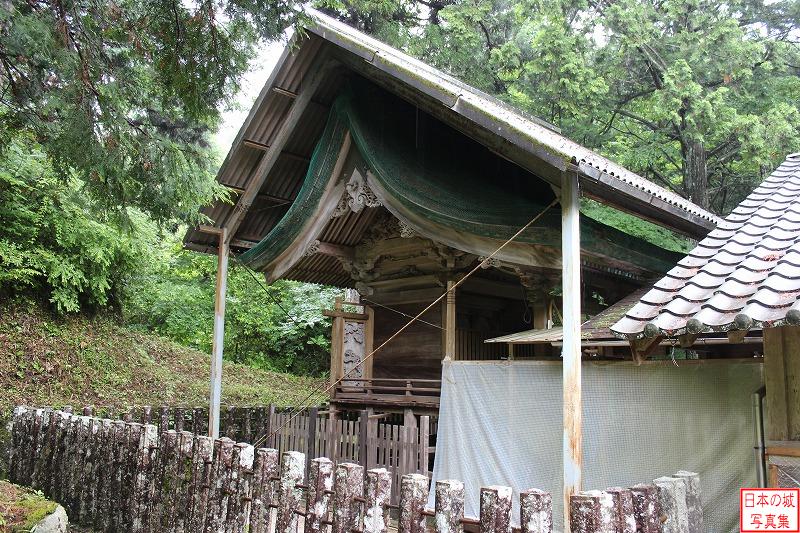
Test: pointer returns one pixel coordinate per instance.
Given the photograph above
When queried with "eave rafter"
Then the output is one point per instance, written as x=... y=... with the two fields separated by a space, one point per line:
x=322 y=68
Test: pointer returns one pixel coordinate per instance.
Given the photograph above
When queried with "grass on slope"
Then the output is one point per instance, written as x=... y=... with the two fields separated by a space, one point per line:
x=21 y=508
x=54 y=361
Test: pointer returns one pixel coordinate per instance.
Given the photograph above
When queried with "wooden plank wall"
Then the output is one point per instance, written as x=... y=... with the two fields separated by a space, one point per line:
x=415 y=353
x=781 y=376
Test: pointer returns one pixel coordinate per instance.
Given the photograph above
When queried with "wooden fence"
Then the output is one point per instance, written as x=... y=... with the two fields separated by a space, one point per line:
x=126 y=477
x=399 y=449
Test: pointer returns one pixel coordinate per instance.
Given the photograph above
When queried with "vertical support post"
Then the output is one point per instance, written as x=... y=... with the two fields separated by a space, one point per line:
x=337 y=346
x=571 y=352
x=378 y=494
x=363 y=438
x=450 y=323
x=536 y=511
x=449 y=506
x=413 y=497
x=424 y=443
x=311 y=439
x=219 y=335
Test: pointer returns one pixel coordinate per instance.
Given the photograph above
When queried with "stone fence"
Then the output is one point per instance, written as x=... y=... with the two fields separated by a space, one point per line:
x=127 y=477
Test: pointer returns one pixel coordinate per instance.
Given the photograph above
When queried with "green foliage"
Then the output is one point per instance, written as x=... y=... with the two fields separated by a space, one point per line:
x=635 y=226
x=700 y=96
x=122 y=95
x=278 y=327
x=51 y=243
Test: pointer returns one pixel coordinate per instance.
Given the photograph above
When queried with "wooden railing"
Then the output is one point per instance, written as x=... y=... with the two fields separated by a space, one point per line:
x=388 y=392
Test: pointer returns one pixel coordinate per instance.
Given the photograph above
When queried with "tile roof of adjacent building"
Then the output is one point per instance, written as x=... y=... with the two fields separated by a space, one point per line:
x=744 y=274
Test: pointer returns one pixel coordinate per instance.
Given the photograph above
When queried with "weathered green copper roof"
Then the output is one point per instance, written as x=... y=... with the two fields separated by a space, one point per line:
x=444 y=177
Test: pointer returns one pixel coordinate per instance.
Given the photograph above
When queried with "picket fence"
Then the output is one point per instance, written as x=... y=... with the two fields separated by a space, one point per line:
x=121 y=476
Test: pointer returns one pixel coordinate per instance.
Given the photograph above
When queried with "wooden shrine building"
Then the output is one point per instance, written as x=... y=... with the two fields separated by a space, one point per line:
x=362 y=168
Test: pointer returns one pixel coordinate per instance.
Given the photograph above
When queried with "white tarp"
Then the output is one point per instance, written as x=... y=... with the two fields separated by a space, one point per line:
x=500 y=424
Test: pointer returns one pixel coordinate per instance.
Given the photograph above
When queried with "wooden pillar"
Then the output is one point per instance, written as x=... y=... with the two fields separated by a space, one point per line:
x=781 y=372
x=449 y=334
x=571 y=352
x=337 y=343
x=219 y=336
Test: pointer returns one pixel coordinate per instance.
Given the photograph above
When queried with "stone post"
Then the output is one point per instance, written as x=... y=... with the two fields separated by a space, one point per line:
x=289 y=496
x=348 y=485
x=413 y=496
x=449 y=506
x=672 y=498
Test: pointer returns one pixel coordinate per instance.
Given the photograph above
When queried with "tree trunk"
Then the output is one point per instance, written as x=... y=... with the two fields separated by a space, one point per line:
x=695 y=173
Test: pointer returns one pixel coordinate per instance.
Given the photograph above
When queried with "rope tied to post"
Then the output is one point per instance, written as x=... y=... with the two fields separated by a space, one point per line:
x=295 y=411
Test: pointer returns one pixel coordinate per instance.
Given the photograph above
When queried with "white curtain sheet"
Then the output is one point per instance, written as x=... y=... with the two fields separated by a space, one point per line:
x=500 y=424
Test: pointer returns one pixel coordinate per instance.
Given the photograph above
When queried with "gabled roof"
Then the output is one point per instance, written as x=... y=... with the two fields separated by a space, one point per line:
x=745 y=274
x=272 y=150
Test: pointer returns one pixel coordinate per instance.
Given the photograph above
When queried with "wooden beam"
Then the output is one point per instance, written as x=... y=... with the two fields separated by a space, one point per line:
x=270 y=156
x=261 y=195
x=218 y=342
x=642 y=348
x=251 y=143
x=571 y=353
x=211 y=230
x=243 y=243
x=336 y=250
x=336 y=313
x=686 y=341
x=736 y=336
x=450 y=323
x=413 y=296
x=284 y=92
x=291 y=94
x=490 y=287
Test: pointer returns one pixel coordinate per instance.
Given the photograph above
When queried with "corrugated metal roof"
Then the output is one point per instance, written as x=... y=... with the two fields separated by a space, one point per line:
x=525 y=140
x=601 y=176
x=745 y=274
x=596 y=328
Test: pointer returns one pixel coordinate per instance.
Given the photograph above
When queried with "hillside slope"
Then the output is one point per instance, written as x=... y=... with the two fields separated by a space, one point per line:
x=48 y=360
